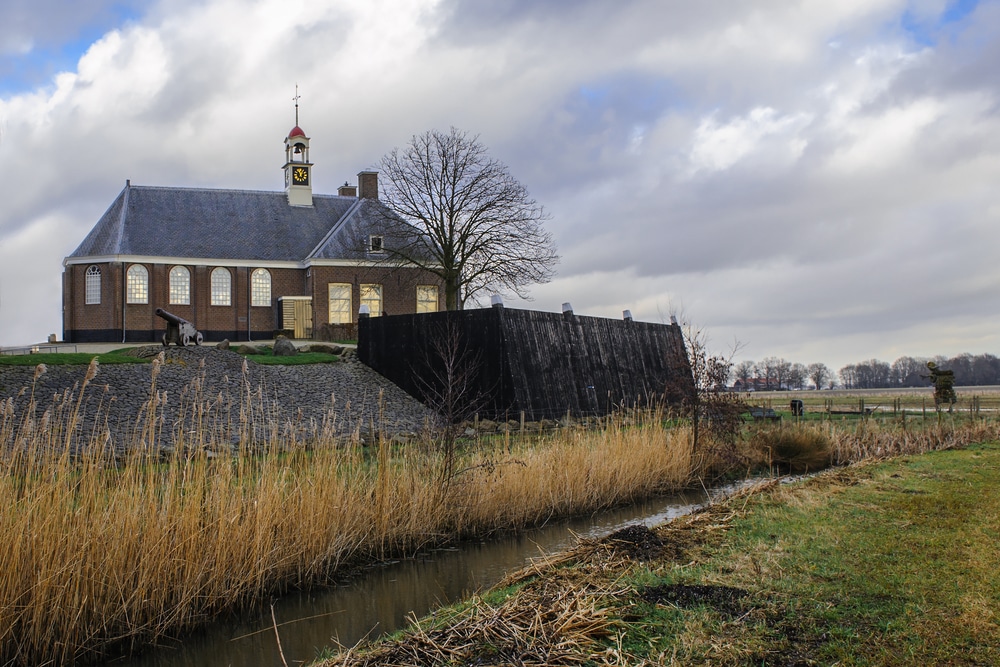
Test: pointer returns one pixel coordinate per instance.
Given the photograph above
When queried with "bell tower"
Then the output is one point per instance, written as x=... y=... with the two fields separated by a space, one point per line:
x=298 y=168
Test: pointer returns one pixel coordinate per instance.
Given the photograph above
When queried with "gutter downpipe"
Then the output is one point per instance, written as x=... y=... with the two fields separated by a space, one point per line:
x=123 y=301
x=249 y=296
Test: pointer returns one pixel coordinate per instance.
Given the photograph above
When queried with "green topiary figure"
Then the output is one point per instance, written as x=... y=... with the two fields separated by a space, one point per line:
x=944 y=386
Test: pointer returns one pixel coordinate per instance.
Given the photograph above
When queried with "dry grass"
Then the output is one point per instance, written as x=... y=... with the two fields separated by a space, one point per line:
x=551 y=622
x=607 y=577
x=103 y=549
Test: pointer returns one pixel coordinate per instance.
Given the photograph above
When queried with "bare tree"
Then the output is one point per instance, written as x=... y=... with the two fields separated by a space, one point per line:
x=796 y=375
x=745 y=372
x=477 y=227
x=448 y=378
x=712 y=401
x=819 y=373
x=774 y=370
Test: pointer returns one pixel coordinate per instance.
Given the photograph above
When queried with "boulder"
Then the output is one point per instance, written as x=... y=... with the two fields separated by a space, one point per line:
x=284 y=348
x=223 y=344
x=247 y=349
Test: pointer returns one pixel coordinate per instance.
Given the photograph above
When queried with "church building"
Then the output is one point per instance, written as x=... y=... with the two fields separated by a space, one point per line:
x=240 y=264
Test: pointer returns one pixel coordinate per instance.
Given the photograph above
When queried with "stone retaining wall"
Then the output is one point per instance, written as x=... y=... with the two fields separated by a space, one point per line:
x=347 y=397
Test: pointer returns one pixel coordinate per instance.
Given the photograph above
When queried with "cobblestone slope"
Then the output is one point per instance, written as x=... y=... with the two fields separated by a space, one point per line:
x=343 y=397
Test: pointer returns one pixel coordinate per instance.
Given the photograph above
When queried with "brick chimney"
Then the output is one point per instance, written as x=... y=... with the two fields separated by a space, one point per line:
x=346 y=190
x=368 y=185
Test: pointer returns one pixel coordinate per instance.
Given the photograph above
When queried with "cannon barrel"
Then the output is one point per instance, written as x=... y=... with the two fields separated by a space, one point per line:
x=179 y=330
x=169 y=317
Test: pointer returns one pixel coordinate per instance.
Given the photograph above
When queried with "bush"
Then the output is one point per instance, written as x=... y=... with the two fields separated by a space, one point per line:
x=794 y=450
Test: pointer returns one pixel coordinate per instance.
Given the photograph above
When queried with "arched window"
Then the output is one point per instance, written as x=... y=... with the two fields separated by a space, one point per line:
x=180 y=286
x=137 y=284
x=93 y=285
x=222 y=287
x=260 y=288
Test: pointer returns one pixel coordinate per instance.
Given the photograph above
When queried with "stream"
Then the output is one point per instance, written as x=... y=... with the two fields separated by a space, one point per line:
x=382 y=599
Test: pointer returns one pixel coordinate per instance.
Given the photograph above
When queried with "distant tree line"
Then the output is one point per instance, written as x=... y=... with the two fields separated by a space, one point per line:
x=774 y=373
x=969 y=369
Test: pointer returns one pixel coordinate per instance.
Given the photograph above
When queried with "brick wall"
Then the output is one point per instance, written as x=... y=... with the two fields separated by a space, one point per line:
x=399 y=288
x=103 y=322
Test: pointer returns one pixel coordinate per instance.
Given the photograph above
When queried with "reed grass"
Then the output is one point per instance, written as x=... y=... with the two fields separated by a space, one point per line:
x=844 y=569
x=109 y=545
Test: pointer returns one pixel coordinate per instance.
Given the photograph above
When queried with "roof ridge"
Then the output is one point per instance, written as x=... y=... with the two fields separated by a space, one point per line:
x=233 y=190
x=122 y=216
x=335 y=227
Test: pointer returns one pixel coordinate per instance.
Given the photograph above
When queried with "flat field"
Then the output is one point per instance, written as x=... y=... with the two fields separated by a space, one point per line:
x=879 y=402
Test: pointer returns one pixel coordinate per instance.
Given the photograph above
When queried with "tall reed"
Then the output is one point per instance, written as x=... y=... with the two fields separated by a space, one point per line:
x=110 y=544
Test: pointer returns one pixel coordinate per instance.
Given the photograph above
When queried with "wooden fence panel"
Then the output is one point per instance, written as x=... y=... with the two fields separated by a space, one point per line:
x=543 y=364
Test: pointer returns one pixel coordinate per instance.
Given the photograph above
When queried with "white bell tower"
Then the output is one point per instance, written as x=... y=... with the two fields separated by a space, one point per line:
x=298 y=168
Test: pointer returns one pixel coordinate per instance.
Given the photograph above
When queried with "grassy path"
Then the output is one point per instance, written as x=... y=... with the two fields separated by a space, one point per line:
x=895 y=563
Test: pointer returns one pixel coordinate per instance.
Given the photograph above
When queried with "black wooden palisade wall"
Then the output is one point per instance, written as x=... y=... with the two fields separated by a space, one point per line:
x=544 y=364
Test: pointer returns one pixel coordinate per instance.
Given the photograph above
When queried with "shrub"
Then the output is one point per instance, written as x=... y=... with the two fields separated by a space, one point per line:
x=794 y=450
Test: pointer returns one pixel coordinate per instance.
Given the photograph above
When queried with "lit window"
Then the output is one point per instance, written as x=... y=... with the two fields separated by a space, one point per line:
x=93 y=285
x=427 y=298
x=260 y=288
x=371 y=296
x=180 y=286
x=375 y=244
x=340 y=303
x=222 y=287
x=137 y=284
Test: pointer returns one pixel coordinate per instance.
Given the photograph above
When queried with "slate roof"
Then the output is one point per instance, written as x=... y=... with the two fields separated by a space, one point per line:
x=226 y=224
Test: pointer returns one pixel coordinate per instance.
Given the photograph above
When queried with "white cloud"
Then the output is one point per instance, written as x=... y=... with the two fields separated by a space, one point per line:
x=719 y=146
x=795 y=175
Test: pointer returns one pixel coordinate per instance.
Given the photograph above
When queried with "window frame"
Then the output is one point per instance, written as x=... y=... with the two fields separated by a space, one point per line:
x=369 y=301
x=215 y=287
x=92 y=285
x=436 y=300
x=175 y=285
x=349 y=313
x=137 y=284
x=257 y=288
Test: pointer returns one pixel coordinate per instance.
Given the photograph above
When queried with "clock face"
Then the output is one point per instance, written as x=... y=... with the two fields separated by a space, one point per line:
x=300 y=176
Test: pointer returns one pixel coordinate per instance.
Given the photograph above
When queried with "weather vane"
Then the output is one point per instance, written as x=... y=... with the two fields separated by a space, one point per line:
x=296 y=100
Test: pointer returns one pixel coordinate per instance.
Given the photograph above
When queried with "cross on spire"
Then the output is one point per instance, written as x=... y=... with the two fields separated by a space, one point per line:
x=296 y=100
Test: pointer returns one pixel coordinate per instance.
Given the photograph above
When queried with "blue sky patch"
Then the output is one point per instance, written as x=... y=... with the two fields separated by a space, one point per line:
x=927 y=30
x=60 y=50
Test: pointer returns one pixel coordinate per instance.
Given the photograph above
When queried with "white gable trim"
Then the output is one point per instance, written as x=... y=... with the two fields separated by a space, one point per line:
x=214 y=261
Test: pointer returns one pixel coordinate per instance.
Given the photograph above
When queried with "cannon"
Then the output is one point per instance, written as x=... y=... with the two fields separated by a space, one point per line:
x=179 y=330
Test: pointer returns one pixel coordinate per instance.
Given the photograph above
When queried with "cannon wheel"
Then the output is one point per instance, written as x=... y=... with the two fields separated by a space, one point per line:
x=165 y=343
x=185 y=340
x=198 y=338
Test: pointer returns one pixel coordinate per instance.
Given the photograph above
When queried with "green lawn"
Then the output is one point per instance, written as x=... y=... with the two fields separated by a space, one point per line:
x=116 y=357
x=69 y=358
x=267 y=357
x=894 y=564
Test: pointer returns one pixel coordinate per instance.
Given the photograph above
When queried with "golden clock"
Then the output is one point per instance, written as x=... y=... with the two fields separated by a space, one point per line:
x=300 y=176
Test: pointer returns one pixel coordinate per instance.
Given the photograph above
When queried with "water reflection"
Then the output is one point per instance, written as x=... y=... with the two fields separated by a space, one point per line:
x=384 y=598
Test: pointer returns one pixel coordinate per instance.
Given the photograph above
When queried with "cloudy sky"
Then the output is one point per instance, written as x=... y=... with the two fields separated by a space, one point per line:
x=818 y=180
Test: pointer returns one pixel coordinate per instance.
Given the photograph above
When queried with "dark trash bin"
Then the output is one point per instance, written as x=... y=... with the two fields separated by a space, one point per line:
x=797 y=407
